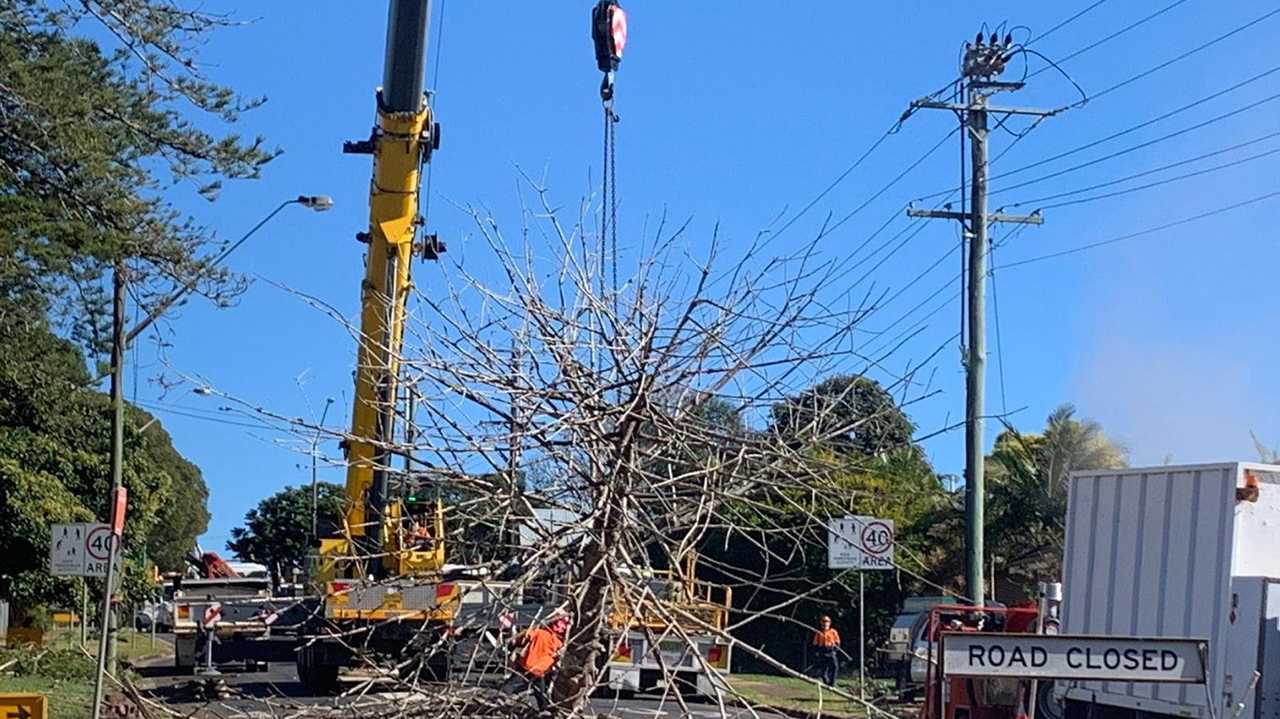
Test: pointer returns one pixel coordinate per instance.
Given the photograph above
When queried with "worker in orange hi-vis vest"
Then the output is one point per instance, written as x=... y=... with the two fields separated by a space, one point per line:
x=537 y=654
x=826 y=649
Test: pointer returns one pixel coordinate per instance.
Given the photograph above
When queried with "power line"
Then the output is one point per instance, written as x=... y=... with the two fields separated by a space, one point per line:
x=1166 y=181
x=1127 y=150
x=1134 y=128
x=1064 y=23
x=1148 y=231
x=995 y=307
x=1112 y=36
x=193 y=414
x=1186 y=54
x=893 y=182
x=1126 y=131
x=839 y=178
x=1008 y=238
x=919 y=224
x=1144 y=173
x=880 y=140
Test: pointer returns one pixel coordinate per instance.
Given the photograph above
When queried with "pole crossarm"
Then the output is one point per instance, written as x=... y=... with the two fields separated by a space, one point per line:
x=981 y=64
x=966 y=216
x=935 y=105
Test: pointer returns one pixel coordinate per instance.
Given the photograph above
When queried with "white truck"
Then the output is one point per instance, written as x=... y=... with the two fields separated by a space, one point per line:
x=1178 y=551
x=236 y=611
x=673 y=637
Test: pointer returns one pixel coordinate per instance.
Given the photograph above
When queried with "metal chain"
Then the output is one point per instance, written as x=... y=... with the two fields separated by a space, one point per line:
x=604 y=189
x=613 y=202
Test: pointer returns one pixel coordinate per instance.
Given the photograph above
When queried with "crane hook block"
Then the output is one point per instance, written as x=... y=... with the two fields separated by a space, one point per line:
x=609 y=33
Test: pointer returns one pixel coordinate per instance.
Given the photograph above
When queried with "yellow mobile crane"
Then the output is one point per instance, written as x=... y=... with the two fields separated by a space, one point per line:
x=383 y=591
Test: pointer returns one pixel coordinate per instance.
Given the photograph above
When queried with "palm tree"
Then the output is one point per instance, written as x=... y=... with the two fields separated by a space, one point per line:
x=1028 y=501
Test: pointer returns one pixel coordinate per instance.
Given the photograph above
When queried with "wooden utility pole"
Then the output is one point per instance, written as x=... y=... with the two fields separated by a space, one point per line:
x=109 y=626
x=982 y=63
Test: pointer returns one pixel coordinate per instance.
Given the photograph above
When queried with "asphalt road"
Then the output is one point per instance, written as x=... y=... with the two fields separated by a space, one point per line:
x=279 y=685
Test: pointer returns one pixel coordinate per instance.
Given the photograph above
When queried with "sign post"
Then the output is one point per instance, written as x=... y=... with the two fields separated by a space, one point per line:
x=862 y=642
x=84 y=614
x=860 y=542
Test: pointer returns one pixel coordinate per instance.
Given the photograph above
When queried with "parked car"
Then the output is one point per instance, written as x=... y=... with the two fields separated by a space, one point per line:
x=144 y=617
x=898 y=649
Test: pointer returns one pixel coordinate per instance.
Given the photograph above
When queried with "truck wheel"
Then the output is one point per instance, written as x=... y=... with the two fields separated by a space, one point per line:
x=318 y=679
x=436 y=668
x=1047 y=707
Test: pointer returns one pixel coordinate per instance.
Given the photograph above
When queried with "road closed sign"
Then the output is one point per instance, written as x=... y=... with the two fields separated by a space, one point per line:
x=860 y=543
x=1041 y=656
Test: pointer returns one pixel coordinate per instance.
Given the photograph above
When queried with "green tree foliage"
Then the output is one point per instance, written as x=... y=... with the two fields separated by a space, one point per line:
x=54 y=466
x=1027 y=508
x=104 y=111
x=854 y=455
x=90 y=138
x=185 y=515
x=847 y=414
x=1027 y=482
x=277 y=533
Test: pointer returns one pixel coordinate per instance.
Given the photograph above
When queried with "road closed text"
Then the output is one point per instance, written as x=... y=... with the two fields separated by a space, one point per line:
x=1072 y=657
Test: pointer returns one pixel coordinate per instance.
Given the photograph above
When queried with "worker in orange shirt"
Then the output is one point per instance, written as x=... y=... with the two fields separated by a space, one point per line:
x=826 y=649
x=538 y=652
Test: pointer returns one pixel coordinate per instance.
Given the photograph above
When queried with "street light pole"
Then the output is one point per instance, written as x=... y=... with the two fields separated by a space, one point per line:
x=120 y=340
x=319 y=203
x=315 y=492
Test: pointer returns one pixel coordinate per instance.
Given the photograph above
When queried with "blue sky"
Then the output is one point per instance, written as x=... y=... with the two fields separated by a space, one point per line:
x=733 y=114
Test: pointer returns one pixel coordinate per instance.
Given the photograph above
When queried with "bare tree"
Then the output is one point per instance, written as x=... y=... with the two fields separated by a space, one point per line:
x=641 y=411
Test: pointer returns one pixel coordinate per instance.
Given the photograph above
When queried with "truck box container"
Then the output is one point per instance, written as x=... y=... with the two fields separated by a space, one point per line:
x=1178 y=551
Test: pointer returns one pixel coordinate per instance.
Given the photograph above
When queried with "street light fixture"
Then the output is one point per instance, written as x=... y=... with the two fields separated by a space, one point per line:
x=318 y=203
x=119 y=341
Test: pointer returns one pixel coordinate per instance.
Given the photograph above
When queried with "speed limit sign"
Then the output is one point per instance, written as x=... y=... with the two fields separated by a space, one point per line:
x=860 y=543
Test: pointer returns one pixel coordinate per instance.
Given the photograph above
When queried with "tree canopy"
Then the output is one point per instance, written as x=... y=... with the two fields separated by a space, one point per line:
x=277 y=533
x=91 y=138
x=104 y=113
x=848 y=414
x=1027 y=477
x=54 y=464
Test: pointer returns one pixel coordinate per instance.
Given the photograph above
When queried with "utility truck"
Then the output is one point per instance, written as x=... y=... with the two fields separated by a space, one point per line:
x=221 y=619
x=1178 y=551
x=671 y=634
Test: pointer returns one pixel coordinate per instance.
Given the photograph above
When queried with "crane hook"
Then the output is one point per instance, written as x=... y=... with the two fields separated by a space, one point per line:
x=609 y=35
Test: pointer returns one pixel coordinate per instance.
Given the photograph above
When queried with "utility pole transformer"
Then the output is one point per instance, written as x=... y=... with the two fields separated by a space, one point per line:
x=982 y=63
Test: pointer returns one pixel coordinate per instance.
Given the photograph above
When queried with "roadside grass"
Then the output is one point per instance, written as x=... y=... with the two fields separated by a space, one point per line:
x=60 y=670
x=68 y=698
x=792 y=693
x=134 y=646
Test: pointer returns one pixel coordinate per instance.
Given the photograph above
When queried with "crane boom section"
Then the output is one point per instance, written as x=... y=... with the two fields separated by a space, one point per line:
x=393 y=218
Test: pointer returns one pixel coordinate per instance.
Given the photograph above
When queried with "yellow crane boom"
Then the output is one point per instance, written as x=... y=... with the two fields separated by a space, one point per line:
x=401 y=142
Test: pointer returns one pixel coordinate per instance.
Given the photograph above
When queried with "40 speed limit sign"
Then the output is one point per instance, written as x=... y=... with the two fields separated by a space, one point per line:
x=860 y=543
